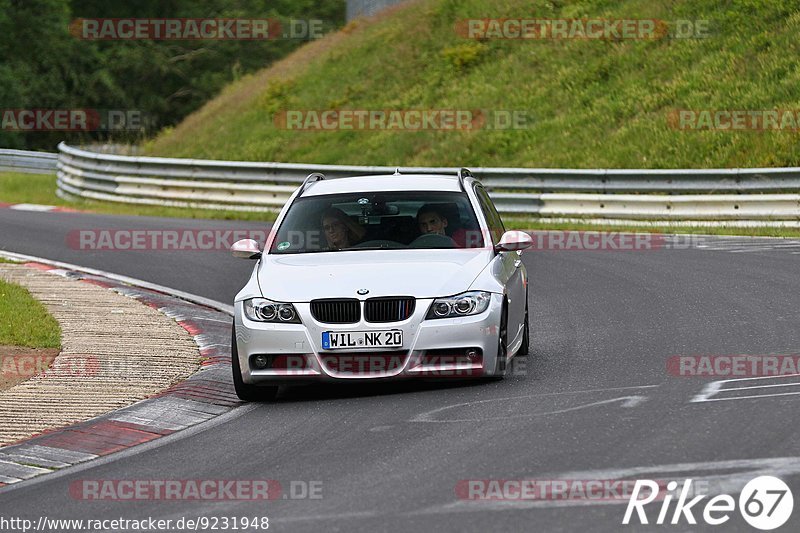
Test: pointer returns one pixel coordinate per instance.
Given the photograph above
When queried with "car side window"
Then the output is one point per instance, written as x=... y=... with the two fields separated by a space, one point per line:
x=493 y=220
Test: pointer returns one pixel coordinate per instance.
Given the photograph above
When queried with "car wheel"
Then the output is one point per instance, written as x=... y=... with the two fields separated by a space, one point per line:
x=525 y=347
x=502 y=344
x=246 y=392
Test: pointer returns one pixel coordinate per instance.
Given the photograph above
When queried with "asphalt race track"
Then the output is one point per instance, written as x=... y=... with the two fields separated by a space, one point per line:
x=594 y=400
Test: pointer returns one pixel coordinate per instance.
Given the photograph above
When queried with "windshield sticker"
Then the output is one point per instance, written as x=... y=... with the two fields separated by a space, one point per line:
x=284 y=245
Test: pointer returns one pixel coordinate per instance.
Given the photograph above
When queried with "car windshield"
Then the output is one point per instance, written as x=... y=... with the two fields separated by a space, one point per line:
x=378 y=221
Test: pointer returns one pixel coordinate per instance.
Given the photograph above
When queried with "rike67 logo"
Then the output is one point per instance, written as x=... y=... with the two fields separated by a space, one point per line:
x=765 y=503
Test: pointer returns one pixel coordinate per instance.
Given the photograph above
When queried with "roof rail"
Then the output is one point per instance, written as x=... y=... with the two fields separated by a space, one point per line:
x=463 y=173
x=314 y=176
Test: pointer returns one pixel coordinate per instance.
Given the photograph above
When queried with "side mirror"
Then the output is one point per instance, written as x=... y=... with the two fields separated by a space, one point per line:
x=514 y=240
x=246 y=249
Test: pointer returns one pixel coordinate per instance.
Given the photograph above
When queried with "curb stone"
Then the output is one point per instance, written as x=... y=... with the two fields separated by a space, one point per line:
x=206 y=394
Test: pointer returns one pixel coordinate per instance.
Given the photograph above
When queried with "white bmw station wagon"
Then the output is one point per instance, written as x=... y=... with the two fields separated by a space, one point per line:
x=381 y=277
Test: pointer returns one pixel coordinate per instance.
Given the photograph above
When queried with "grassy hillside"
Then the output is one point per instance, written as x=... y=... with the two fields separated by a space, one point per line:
x=594 y=103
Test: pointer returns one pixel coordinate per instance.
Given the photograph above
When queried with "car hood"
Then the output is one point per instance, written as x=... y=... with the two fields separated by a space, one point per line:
x=418 y=273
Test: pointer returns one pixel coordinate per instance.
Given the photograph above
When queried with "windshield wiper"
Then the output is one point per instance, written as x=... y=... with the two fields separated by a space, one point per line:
x=356 y=248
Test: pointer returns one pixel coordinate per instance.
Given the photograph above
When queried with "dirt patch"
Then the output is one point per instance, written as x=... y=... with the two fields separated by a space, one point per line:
x=18 y=364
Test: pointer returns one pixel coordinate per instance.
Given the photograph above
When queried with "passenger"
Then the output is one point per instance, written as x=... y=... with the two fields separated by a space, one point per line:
x=340 y=230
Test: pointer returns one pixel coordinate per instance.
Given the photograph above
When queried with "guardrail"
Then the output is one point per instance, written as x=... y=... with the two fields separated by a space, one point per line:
x=758 y=194
x=26 y=161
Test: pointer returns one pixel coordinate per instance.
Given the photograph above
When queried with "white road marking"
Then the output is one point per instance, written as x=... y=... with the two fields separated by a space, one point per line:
x=206 y=319
x=751 y=397
x=32 y=207
x=782 y=376
x=762 y=387
x=627 y=401
x=717 y=387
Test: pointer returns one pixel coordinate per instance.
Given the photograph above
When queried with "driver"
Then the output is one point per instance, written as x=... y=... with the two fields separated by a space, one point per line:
x=430 y=220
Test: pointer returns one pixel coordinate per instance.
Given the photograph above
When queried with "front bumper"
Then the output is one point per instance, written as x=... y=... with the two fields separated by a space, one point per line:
x=459 y=347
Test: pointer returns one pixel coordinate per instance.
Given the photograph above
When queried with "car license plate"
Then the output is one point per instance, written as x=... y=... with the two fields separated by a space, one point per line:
x=336 y=340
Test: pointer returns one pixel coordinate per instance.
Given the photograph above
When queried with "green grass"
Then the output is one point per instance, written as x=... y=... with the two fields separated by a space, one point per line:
x=40 y=189
x=24 y=321
x=18 y=188
x=594 y=104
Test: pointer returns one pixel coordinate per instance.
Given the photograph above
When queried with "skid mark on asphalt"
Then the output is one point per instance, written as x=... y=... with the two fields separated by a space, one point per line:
x=506 y=410
x=749 y=388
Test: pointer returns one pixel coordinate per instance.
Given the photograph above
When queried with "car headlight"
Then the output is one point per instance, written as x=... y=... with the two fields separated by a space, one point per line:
x=263 y=310
x=464 y=304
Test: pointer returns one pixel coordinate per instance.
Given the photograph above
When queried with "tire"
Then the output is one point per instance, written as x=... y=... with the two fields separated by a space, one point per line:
x=246 y=392
x=525 y=347
x=502 y=345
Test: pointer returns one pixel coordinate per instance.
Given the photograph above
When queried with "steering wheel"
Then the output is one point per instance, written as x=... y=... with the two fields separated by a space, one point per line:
x=433 y=240
x=379 y=243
